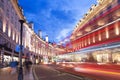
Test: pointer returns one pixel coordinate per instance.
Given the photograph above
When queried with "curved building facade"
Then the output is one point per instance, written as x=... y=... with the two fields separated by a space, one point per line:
x=35 y=48
x=96 y=38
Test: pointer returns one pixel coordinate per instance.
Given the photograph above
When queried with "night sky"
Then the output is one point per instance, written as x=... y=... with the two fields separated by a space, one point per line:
x=55 y=18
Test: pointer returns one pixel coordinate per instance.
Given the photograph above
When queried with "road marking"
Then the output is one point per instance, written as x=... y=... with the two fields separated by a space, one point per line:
x=93 y=70
x=76 y=76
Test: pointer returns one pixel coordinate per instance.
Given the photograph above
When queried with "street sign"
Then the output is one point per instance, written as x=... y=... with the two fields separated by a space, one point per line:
x=17 y=48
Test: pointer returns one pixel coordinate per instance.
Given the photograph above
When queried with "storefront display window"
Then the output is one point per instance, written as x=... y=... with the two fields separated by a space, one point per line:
x=116 y=57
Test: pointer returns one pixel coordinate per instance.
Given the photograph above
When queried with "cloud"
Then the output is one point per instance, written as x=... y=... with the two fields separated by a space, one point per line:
x=63 y=33
x=55 y=18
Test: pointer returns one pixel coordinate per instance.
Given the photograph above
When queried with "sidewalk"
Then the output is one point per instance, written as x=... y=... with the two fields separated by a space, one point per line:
x=28 y=76
x=6 y=75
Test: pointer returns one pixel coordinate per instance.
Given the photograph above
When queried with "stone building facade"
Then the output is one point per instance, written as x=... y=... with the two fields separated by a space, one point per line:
x=34 y=46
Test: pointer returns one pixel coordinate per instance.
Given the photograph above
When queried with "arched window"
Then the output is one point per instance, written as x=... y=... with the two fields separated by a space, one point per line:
x=6 y=28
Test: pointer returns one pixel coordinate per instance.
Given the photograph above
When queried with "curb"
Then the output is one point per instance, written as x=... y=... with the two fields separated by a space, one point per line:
x=34 y=74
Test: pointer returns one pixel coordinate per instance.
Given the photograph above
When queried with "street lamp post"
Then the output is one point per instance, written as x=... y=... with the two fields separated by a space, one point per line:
x=2 y=55
x=20 y=74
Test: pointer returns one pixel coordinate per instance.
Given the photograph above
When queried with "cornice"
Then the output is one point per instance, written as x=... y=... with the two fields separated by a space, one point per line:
x=18 y=9
x=19 y=12
x=94 y=10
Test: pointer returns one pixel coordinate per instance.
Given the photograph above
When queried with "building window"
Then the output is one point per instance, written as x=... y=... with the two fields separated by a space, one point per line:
x=93 y=38
x=1 y=24
x=107 y=33
x=101 y=13
x=117 y=29
x=118 y=1
x=14 y=36
x=6 y=29
x=11 y=33
x=7 y=13
x=109 y=7
x=99 y=36
x=2 y=1
x=88 y=40
x=110 y=18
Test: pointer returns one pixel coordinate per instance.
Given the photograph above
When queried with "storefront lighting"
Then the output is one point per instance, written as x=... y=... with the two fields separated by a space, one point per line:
x=88 y=29
x=107 y=33
x=93 y=38
x=80 y=45
x=16 y=38
x=99 y=36
x=95 y=49
x=89 y=40
x=101 y=22
x=117 y=29
x=85 y=42
x=4 y=26
x=9 y=31
x=118 y=13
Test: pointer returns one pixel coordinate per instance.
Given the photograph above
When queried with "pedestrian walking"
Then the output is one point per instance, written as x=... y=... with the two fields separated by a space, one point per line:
x=13 y=66
x=27 y=65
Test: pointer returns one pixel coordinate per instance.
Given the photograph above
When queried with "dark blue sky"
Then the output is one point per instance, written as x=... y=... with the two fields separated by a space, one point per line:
x=55 y=18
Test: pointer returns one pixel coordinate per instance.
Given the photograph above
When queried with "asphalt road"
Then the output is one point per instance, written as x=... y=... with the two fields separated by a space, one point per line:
x=102 y=72
x=45 y=72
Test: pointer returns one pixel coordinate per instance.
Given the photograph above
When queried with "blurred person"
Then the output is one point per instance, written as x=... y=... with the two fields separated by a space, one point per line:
x=27 y=65
x=13 y=66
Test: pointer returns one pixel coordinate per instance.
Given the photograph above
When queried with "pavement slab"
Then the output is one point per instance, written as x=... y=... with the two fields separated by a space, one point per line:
x=5 y=74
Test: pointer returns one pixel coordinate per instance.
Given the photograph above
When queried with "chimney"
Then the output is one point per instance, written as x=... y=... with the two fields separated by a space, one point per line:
x=40 y=33
x=31 y=25
x=46 y=38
